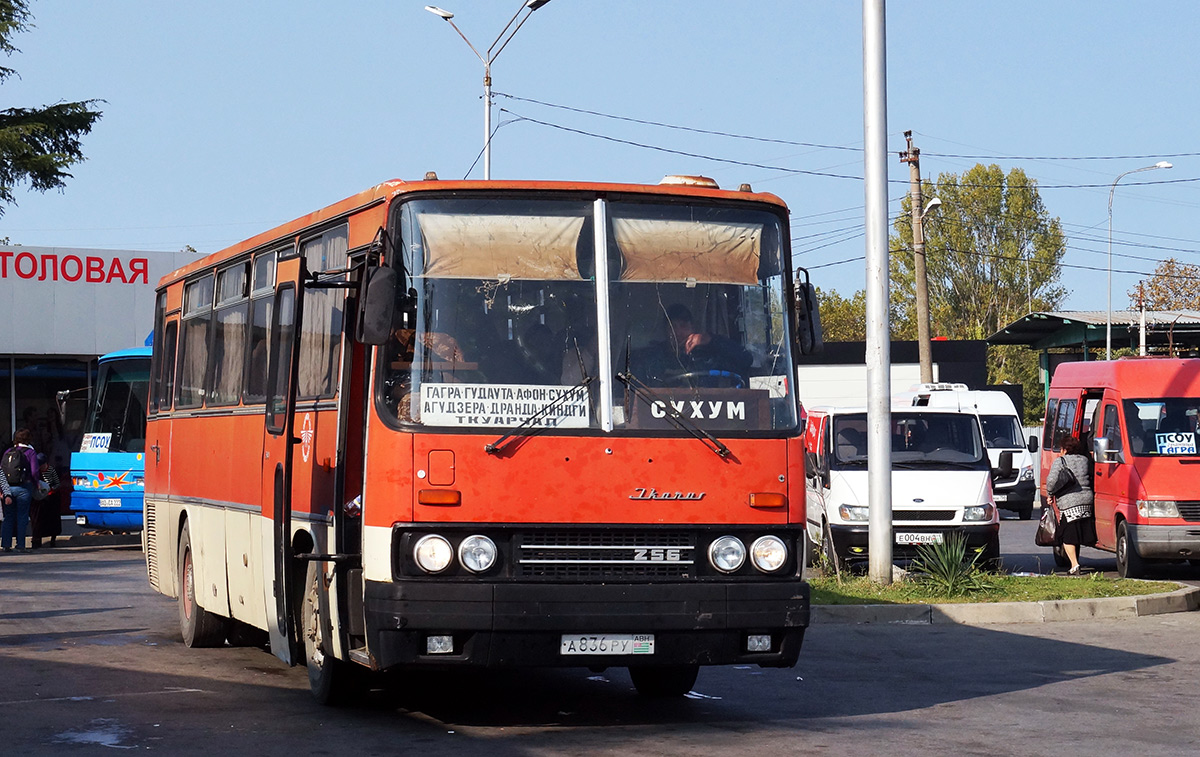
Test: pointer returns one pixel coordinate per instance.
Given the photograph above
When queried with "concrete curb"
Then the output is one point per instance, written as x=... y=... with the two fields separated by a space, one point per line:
x=1184 y=599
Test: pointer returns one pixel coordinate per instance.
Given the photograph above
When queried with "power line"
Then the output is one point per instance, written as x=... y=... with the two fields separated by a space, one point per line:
x=685 y=154
x=786 y=169
x=680 y=128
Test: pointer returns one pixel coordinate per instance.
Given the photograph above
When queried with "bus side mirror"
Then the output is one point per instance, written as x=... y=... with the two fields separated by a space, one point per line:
x=808 y=320
x=376 y=305
x=1005 y=467
x=1100 y=449
x=1033 y=444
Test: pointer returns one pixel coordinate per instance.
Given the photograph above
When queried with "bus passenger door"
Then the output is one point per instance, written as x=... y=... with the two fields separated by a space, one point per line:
x=279 y=442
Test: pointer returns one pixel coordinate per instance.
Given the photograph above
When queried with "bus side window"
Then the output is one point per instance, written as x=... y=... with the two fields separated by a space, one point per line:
x=167 y=366
x=1064 y=424
x=1048 y=424
x=1111 y=429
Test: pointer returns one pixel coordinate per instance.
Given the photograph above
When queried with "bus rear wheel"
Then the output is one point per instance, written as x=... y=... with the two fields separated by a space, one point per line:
x=664 y=680
x=199 y=627
x=333 y=682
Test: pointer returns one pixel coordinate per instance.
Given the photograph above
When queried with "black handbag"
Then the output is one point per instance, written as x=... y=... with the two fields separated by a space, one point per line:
x=1066 y=479
x=1047 y=528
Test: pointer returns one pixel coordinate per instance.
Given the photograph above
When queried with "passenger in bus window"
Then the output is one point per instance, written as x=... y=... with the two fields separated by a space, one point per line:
x=693 y=356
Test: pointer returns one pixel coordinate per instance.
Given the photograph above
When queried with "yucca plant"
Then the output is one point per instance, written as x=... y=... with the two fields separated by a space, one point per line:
x=949 y=568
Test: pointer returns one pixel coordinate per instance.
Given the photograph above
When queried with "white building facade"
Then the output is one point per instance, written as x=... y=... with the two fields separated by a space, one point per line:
x=63 y=308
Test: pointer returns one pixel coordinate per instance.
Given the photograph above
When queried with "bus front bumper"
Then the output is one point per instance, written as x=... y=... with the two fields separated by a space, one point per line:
x=1165 y=542
x=502 y=625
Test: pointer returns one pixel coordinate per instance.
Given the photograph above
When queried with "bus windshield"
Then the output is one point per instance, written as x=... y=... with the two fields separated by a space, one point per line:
x=918 y=438
x=120 y=406
x=512 y=307
x=1162 y=426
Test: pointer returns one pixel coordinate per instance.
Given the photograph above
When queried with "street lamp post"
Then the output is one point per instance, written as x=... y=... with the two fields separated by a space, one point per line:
x=487 y=61
x=1112 y=190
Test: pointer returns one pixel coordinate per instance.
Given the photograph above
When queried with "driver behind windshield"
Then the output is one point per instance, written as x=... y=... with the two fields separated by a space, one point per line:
x=692 y=356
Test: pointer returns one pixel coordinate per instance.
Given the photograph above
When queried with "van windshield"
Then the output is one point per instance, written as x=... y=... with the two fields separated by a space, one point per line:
x=1001 y=432
x=918 y=439
x=1162 y=426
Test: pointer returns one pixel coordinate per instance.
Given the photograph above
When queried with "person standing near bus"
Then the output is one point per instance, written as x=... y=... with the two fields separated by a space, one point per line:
x=21 y=469
x=1070 y=478
x=45 y=518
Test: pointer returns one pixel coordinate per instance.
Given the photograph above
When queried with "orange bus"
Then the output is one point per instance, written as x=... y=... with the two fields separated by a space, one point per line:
x=454 y=423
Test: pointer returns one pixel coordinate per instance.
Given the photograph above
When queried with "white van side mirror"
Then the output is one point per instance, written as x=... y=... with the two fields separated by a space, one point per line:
x=1032 y=446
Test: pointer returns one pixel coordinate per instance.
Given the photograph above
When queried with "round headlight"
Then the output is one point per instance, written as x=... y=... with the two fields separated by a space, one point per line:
x=433 y=553
x=477 y=553
x=769 y=553
x=727 y=554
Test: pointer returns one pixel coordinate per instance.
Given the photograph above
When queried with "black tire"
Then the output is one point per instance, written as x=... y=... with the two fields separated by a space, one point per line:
x=333 y=682
x=989 y=559
x=830 y=551
x=664 y=680
x=199 y=627
x=1025 y=513
x=1060 y=558
x=1129 y=563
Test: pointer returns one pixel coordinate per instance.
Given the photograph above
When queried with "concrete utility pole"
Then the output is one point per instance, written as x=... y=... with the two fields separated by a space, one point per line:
x=912 y=156
x=879 y=358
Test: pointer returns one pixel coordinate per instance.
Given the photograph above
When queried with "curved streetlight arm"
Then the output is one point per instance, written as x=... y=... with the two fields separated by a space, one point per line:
x=505 y=29
x=482 y=59
x=1112 y=191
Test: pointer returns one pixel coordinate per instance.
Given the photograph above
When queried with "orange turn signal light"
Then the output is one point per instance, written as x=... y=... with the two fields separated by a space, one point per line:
x=768 y=500
x=442 y=497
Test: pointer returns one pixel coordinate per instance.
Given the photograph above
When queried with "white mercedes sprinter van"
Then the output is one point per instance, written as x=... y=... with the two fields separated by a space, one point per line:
x=1002 y=430
x=940 y=482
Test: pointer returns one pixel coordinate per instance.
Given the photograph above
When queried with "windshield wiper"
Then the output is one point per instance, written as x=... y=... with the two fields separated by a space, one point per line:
x=647 y=395
x=527 y=427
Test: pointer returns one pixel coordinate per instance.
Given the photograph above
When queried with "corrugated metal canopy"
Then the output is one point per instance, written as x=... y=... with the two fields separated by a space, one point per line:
x=1077 y=328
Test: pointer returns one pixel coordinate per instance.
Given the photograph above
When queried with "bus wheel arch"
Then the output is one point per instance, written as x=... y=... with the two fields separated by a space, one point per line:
x=199 y=627
x=333 y=682
x=1129 y=563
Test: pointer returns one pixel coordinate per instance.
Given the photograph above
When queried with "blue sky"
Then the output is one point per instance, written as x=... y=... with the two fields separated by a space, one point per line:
x=225 y=118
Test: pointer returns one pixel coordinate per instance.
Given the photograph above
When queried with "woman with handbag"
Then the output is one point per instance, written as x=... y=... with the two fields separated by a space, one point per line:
x=1069 y=481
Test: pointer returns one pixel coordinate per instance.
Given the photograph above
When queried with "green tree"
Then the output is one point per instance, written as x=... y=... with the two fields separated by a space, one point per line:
x=1174 y=286
x=37 y=145
x=843 y=319
x=992 y=256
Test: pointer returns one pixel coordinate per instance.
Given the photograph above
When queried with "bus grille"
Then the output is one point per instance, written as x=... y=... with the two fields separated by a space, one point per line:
x=923 y=515
x=1189 y=511
x=151 y=526
x=600 y=555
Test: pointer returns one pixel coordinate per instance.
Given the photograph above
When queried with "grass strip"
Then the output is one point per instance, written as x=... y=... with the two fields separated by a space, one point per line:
x=860 y=590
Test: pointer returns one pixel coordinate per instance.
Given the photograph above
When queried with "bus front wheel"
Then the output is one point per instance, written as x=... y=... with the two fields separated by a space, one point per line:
x=1129 y=563
x=664 y=680
x=333 y=682
x=199 y=627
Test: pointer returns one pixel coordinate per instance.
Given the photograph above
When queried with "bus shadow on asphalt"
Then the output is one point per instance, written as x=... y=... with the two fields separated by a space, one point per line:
x=843 y=671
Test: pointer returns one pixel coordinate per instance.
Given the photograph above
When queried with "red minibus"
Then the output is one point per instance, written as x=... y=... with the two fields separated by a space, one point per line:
x=1139 y=416
x=461 y=423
